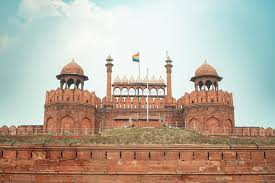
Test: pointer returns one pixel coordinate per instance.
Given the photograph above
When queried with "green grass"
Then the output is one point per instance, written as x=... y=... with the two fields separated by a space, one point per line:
x=135 y=135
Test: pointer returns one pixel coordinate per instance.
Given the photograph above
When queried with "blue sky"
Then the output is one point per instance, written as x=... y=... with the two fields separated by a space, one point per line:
x=37 y=38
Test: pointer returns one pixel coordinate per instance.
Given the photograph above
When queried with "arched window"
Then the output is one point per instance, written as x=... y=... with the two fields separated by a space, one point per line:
x=124 y=91
x=200 y=84
x=208 y=84
x=116 y=91
x=153 y=91
x=62 y=83
x=132 y=91
x=78 y=84
x=70 y=83
x=161 y=92
x=146 y=91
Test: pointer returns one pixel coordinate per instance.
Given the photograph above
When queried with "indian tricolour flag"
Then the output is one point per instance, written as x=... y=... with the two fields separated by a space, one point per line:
x=136 y=57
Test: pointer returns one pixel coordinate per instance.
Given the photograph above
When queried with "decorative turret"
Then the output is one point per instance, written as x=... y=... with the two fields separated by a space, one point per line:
x=208 y=108
x=71 y=110
x=206 y=78
x=72 y=74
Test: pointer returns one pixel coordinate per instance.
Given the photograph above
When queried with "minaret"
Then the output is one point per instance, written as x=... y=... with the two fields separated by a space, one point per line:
x=109 y=66
x=168 y=67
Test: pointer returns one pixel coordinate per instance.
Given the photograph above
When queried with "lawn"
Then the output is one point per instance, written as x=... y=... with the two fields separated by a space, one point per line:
x=162 y=135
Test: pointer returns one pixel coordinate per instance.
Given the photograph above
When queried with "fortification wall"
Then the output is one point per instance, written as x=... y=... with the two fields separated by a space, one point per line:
x=116 y=117
x=241 y=132
x=139 y=163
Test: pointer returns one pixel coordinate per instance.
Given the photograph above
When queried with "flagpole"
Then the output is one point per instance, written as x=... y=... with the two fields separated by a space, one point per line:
x=139 y=69
x=147 y=97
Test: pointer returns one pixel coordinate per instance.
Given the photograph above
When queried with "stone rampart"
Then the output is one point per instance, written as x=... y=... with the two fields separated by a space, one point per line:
x=137 y=163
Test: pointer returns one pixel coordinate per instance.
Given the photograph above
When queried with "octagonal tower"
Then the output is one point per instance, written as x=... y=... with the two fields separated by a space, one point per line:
x=208 y=109
x=70 y=108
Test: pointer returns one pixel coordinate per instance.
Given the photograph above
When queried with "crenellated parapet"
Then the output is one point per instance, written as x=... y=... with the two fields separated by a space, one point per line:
x=72 y=96
x=206 y=97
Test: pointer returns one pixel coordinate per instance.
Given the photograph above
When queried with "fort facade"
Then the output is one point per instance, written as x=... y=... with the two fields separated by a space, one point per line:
x=72 y=109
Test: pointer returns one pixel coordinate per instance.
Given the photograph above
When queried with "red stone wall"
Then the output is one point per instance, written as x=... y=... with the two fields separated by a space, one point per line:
x=81 y=111
x=112 y=118
x=70 y=111
x=209 y=112
x=142 y=163
x=238 y=131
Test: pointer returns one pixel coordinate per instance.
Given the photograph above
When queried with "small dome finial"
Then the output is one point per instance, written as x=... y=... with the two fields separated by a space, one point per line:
x=109 y=59
x=205 y=61
x=168 y=59
x=167 y=55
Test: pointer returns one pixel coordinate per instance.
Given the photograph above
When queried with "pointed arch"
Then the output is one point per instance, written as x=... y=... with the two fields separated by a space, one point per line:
x=51 y=125
x=228 y=123
x=86 y=123
x=67 y=124
x=153 y=92
x=212 y=123
x=194 y=124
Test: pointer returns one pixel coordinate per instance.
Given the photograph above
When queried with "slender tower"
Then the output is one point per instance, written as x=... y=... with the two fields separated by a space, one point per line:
x=109 y=66
x=168 y=67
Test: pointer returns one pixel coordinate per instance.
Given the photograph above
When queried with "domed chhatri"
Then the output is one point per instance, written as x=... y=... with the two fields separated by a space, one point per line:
x=206 y=70
x=72 y=74
x=72 y=68
x=206 y=78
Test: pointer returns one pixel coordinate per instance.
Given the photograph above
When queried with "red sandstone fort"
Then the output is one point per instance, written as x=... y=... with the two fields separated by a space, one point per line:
x=70 y=108
x=137 y=102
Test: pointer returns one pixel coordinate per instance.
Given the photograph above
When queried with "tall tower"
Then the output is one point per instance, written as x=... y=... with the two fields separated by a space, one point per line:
x=109 y=67
x=168 y=67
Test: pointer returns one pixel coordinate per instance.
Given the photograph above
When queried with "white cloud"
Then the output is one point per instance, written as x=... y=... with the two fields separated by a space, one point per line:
x=77 y=9
x=38 y=9
x=87 y=32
